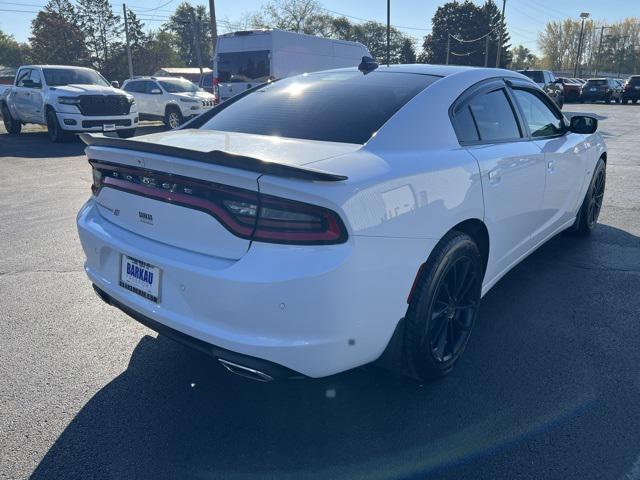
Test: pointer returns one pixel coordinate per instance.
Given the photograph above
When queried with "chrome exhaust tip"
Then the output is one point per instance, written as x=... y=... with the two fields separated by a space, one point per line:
x=246 y=372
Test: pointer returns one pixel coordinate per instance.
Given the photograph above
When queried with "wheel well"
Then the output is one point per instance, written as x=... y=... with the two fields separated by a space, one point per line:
x=604 y=157
x=47 y=109
x=171 y=106
x=477 y=230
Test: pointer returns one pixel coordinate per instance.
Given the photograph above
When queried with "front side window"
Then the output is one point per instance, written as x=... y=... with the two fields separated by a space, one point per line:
x=58 y=77
x=244 y=66
x=178 y=85
x=342 y=106
x=542 y=121
x=494 y=116
x=23 y=77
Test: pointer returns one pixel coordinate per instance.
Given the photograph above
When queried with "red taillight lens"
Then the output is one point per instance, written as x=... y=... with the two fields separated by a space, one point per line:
x=244 y=213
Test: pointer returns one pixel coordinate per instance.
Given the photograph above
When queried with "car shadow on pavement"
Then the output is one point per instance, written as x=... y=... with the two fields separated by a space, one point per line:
x=534 y=365
x=36 y=144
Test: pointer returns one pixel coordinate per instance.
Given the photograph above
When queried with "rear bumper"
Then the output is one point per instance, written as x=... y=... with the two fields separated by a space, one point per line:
x=272 y=370
x=316 y=310
x=597 y=96
x=76 y=122
x=631 y=95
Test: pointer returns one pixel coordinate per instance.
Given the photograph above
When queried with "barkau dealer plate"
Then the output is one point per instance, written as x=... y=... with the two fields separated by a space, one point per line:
x=140 y=277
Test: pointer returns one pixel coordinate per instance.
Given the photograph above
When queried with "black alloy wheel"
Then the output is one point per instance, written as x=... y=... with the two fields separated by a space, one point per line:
x=589 y=212
x=444 y=307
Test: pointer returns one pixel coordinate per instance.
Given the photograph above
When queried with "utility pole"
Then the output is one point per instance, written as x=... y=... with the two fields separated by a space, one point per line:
x=214 y=27
x=388 y=31
x=126 y=36
x=599 y=49
x=499 y=49
x=448 y=45
x=486 y=51
x=196 y=31
x=583 y=16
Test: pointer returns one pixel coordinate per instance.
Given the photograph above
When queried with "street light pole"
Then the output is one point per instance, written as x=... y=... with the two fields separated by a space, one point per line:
x=126 y=36
x=583 y=16
x=602 y=29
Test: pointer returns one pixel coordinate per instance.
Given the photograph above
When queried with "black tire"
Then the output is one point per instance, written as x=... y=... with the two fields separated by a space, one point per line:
x=625 y=101
x=55 y=131
x=12 y=126
x=635 y=100
x=128 y=133
x=561 y=102
x=608 y=100
x=582 y=100
x=444 y=307
x=618 y=100
x=173 y=117
x=587 y=216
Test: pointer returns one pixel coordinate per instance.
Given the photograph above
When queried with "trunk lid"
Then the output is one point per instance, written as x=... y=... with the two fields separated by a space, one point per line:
x=180 y=201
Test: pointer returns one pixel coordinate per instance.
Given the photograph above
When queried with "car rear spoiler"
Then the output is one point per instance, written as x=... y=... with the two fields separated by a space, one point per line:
x=216 y=157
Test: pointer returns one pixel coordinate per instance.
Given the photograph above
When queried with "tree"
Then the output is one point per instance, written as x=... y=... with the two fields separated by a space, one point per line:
x=102 y=30
x=182 y=26
x=56 y=36
x=12 y=54
x=464 y=26
x=291 y=15
x=407 y=52
x=522 y=58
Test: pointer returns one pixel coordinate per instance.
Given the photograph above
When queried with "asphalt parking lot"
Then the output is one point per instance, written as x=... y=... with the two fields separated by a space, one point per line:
x=549 y=386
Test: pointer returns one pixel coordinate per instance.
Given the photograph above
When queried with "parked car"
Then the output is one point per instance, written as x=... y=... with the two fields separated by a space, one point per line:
x=248 y=58
x=601 y=89
x=173 y=100
x=631 y=89
x=317 y=223
x=68 y=100
x=548 y=82
x=571 y=88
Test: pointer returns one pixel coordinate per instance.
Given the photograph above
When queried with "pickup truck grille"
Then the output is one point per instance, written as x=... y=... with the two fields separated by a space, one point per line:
x=95 y=105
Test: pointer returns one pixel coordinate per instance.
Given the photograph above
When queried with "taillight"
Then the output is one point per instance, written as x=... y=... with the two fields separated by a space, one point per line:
x=245 y=213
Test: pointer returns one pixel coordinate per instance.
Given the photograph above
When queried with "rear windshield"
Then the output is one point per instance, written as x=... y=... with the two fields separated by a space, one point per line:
x=243 y=67
x=535 y=75
x=634 y=80
x=339 y=106
x=58 y=77
x=597 y=82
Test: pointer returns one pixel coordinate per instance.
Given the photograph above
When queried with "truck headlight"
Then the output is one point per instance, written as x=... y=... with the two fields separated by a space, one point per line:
x=69 y=100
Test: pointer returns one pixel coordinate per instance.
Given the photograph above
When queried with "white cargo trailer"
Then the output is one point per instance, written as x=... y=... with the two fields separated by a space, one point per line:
x=248 y=58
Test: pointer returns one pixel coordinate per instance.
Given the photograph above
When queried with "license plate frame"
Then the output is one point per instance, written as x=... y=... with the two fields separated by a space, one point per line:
x=132 y=277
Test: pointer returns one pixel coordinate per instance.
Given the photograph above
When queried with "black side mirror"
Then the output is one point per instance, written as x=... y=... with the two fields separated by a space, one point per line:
x=583 y=124
x=115 y=84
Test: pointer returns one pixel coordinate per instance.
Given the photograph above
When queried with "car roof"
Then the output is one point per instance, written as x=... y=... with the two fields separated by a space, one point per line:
x=55 y=66
x=435 y=70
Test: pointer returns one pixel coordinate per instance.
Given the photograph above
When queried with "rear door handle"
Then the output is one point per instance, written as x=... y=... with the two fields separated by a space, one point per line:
x=494 y=176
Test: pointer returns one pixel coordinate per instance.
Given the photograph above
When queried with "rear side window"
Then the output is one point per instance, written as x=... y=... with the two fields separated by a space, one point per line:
x=339 y=106
x=494 y=116
x=535 y=75
x=465 y=125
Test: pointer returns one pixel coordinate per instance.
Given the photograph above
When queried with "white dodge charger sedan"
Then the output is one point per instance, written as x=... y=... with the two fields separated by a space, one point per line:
x=329 y=220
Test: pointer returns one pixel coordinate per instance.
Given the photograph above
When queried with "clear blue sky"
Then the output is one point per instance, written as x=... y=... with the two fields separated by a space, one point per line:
x=525 y=18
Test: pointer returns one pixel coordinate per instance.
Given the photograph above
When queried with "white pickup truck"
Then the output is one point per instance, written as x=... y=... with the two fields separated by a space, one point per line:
x=67 y=100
